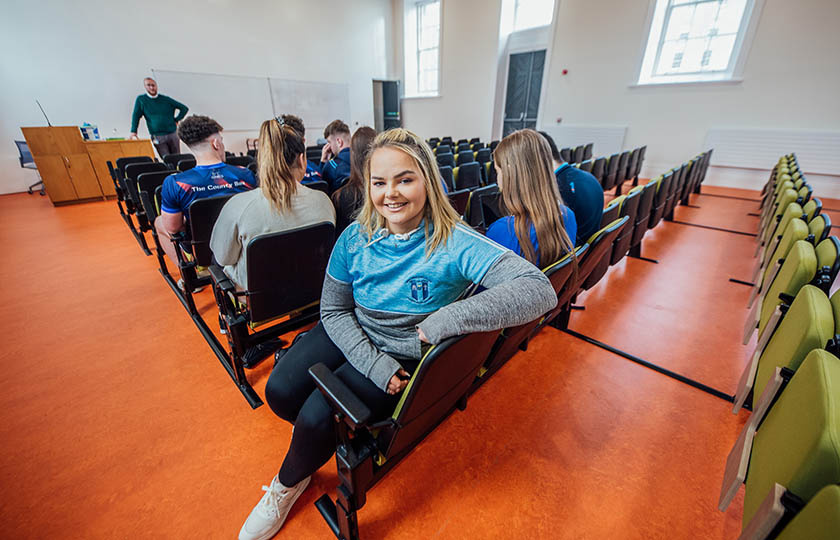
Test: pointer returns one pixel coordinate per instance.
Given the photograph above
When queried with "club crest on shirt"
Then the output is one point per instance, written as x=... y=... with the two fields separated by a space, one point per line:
x=419 y=289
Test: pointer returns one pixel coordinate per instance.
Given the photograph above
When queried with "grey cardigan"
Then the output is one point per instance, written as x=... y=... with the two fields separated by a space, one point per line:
x=373 y=341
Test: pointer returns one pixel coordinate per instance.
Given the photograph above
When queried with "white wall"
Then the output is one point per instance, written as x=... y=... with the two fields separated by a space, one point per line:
x=469 y=41
x=791 y=79
x=85 y=60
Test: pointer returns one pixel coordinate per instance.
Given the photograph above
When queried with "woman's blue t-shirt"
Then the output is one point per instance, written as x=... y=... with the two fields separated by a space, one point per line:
x=502 y=231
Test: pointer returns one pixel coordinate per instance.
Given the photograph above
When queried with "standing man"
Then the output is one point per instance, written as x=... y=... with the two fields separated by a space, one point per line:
x=159 y=111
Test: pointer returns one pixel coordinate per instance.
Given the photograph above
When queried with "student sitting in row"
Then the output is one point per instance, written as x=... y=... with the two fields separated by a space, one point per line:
x=581 y=191
x=210 y=177
x=349 y=197
x=335 y=156
x=280 y=204
x=390 y=290
x=313 y=173
x=540 y=228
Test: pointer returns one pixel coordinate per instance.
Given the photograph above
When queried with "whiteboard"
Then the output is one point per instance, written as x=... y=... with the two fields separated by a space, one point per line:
x=317 y=103
x=237 y=103
x=242 y=103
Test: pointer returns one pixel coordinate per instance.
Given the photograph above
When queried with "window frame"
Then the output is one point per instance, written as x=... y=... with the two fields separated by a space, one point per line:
x=419 y=48
x=516 y=12
x=411 y=56
x=648 y=60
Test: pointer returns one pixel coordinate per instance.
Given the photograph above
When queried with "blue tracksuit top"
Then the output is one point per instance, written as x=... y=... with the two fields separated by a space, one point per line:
x=392 y=273
x=313 y=174
x=336 y=170
x=503 y=232
x=180 y=190
x=582 y=193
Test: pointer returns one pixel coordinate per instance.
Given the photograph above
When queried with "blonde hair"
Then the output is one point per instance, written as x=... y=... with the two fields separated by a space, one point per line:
x=279 y=148
x=437 y=210
x=529 y=192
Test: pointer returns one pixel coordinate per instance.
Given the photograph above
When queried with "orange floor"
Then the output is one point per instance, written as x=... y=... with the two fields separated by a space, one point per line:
x=118 y=421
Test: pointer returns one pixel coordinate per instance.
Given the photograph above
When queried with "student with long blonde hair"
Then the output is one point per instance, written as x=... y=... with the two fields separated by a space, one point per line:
x=539 y=228
x=280 y=203
x=392 y=287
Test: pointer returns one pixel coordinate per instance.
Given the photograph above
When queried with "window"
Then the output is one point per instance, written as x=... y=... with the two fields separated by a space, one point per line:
x=532 y=13
x=695 y=40
x=422 y=48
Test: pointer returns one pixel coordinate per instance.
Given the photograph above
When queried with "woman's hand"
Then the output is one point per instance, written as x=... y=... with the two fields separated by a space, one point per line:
x=398 y=382
x=423 y=337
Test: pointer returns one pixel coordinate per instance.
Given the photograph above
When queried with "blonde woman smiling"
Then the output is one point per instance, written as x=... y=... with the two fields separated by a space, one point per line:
x=392 y=287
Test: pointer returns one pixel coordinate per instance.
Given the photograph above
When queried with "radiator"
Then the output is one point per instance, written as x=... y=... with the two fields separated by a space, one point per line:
x=818 y=152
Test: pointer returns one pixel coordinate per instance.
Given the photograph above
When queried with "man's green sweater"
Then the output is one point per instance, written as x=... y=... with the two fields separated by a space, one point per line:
x=159 y=113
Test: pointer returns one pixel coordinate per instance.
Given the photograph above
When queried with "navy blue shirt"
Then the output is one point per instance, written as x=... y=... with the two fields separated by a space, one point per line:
x=582 y=193
x=180 y=190
x=336 y=170
x=502 y=232
x=313 y=174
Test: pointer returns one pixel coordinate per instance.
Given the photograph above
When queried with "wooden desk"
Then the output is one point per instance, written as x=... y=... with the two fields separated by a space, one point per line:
x=74 y=170
x=101 y=152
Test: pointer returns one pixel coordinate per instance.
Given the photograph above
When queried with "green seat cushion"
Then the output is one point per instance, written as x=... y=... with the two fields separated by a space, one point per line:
x=835 y=306
x=799 y=268
x=826 y=253
x=791 y=212
x=798 y=444
x=819 y=520
x=817 y=226
x=808 y=325
x=796 y=230
x=810 y=208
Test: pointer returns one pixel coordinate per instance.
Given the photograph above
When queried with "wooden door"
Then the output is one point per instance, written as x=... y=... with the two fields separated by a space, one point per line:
x=83 y=176
x=56 y=179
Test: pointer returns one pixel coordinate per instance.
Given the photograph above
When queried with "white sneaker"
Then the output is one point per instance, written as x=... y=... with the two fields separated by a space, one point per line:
x=268 y=516
x=195 y=290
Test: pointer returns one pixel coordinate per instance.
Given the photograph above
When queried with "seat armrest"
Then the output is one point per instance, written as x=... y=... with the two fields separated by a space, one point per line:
x=221 y=279
x=355 y=413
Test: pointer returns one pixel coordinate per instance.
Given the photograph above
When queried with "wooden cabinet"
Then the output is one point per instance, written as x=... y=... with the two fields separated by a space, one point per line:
x=101 y=152
x=75 y=170
x=57 y=182
x=83 y=176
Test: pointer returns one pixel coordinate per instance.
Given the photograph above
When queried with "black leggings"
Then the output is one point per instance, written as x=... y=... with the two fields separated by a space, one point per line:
x=291 y=394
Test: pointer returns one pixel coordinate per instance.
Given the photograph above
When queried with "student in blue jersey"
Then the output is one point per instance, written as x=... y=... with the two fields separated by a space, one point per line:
x=313 y=173
x=335 y=156
x=581 y=191
x=540 y=228
x=392 y=287
x=210 y=177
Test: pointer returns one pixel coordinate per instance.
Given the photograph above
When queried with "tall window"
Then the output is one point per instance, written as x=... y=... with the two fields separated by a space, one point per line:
x=532 y=13
x=428 y=45
x=422 y=48
x=695 y=40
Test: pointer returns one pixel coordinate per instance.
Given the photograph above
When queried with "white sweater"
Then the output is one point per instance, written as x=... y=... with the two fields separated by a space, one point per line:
x=248 y=215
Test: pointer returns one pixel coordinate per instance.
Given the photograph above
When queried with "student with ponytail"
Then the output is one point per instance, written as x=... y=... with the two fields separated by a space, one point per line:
x=392 y=287
x=280 y=203
x=540 y=228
